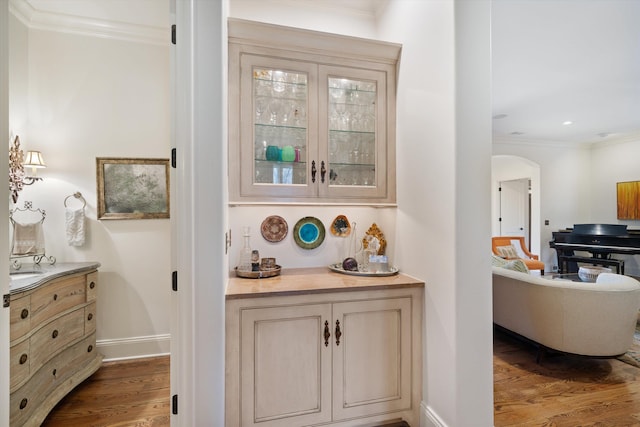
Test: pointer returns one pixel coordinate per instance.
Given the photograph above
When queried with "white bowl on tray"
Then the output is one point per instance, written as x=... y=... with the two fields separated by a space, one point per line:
x=590 y=274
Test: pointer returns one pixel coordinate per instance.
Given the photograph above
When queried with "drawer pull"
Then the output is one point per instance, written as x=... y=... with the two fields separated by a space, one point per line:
x=55 y=297
x=54 y=335
x=89 y=349
x=55 y=371
x=90 y=316
x=23 y=359
x=92 y=285
x=338 y=332
x=24 y=314
x=23 y=403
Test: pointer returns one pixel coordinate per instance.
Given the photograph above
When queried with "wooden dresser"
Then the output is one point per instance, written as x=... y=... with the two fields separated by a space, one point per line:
x=53 y=337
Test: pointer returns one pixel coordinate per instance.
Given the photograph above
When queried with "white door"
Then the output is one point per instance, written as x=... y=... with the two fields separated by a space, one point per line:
x=4 y=208
x=514 y=208
x=285 y=366
x=372 y=358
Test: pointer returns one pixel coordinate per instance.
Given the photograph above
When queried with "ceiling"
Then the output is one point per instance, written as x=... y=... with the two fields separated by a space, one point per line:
x=552 y=61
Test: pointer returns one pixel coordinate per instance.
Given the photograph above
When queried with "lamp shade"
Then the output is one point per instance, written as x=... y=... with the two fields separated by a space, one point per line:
x=33 y=159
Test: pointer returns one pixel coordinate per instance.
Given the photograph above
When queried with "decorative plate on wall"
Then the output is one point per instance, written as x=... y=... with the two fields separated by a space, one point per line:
x=274 y=228
x=309 y=232
x=340 y=226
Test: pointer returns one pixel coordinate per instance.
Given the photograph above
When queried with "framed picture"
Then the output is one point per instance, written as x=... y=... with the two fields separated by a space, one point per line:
x=628 y=200
x=132 y=188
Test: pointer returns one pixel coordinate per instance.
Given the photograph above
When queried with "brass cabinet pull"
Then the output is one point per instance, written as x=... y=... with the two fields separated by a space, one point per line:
x=323 y=171
x=23 y=359
x=54 y=334
x=24 y=314
x=23 y=403
x=327 y=334
x=313 y=171
x=338 y=333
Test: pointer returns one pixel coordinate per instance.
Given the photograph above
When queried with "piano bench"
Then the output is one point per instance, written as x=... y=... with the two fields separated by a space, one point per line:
x=618 y=263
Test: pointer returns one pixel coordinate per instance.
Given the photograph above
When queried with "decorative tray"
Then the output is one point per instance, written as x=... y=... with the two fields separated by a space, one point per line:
x=261 y=274
x=338 y=269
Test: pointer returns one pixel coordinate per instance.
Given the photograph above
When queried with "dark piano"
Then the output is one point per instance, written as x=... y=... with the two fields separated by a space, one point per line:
x=600 y=240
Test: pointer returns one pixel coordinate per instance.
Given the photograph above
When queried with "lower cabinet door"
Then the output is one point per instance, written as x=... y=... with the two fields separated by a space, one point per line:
x=285 y=366
x=372 y=360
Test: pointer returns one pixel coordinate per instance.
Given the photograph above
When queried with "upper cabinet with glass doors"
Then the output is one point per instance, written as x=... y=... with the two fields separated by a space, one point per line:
x=311 y=116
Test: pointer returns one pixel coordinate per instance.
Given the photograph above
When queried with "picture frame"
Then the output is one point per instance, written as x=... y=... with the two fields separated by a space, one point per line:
x=628 y=199
x=132 y=188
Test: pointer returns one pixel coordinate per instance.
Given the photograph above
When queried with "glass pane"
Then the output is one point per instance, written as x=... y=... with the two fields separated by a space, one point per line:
x=352 y=132
x=280 y=126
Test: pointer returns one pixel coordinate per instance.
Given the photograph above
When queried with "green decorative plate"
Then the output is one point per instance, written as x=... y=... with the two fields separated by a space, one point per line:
x=309 y=232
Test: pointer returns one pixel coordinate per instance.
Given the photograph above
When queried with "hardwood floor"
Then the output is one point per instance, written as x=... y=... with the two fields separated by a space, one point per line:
x=126 y=393
x=562 y=390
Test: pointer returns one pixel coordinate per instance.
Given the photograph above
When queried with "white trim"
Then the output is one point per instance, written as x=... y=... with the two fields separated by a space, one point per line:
x=428 y=417
x=134 y=347
x=92 y=27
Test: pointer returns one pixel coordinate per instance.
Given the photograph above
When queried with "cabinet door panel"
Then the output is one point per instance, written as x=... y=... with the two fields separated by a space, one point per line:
x=372 y=363
x=285 y=366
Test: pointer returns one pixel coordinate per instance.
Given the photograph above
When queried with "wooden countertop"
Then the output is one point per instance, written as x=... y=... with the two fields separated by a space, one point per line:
x=31 y=276
x=313 y=280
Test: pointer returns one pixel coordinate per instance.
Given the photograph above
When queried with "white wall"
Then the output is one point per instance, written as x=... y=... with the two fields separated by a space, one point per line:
x=88 y=97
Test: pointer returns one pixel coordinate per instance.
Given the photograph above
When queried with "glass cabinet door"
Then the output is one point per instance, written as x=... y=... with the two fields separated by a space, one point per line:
x=276 y=124
x=355 y=134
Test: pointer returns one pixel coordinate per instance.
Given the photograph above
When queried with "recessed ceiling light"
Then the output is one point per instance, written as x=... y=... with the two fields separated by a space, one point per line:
x=567 y=123
x=499 y=116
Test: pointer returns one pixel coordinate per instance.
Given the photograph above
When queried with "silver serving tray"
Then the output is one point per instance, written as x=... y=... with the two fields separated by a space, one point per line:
x=338 y=269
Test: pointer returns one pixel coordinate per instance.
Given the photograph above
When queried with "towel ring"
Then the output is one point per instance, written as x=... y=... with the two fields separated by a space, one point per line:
x=78 y=196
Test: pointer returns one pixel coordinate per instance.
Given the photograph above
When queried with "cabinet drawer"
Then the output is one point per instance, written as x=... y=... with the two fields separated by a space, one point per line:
x=61 y=368
x=92 y=286
x=55 y=298
x=54 y=336
x=90 y=318
x=20 y=315
x=19 y=363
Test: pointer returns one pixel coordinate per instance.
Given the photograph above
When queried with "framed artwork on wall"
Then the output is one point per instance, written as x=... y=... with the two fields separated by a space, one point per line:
x=132 y=188
x=628 y=200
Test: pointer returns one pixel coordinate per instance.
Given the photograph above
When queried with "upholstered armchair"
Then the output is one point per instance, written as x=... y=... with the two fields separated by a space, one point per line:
x=504 y=247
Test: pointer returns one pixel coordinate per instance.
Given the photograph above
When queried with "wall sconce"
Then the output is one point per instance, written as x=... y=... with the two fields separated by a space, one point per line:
x=34 y=160
x=17 y=162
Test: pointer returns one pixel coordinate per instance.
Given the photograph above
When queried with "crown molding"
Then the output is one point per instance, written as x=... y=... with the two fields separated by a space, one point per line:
x=91 y=27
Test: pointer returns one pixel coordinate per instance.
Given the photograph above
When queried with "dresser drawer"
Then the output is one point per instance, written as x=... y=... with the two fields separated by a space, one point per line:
x=92 y=286
x=20 y=317
x=90 y=318
x=61 y=295
x=50 y=338
x=60 y=369
x=19 y=363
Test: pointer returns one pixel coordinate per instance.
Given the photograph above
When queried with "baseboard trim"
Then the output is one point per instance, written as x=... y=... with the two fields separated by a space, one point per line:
x=134 y=347
x=428 y=417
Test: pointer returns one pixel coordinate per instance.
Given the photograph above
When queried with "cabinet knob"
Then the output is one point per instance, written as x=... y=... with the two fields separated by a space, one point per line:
x=55 y=297
x=24 y=314
x=23 y=359
x=338 y=333
x=92 y=285
x=90 y=348
x=23 y=403
x=54 y=372
x=54 y=335
x=327 y=334
x=323 y=171
x=90 y=316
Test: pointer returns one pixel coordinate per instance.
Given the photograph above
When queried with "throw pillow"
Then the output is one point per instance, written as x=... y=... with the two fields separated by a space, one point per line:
x=508 y=252
x=496 y=261
x=517 y=265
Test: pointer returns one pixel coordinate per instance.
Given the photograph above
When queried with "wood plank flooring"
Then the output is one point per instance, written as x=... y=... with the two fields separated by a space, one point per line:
x=126 y=393
x=561 y=391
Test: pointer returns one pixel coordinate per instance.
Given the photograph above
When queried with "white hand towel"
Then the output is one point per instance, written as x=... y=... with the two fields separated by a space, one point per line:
x=75 y=226
x=28 y=239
